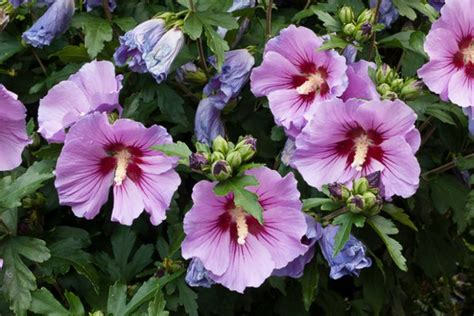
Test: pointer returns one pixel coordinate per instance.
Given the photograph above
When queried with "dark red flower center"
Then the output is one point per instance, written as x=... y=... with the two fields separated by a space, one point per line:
x=311 y=82
x=124 y=161
x=465 y=56
x=360 y=147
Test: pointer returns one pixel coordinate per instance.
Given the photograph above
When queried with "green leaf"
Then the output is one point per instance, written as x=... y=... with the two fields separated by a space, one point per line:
x=187 y=298
x=9 y=46
x=193 y=26
x=27 y=183
x=75 y=305
x=44 y=303
x=345 y=222
x=217 y=45
x=465 y=163
x=399 y=215
x=117 y=299
x=178 y=149
x=330 y=23
x=309 y=284
x=72 y=54
x=18 y=279
x=97 y=32
x=334 y=42
x=314 y=202
x=247 y=200
x=157 y=306
x=384 y=227
x=125 y=23
x=225 y=20
x=409 y=40
x=171 y=105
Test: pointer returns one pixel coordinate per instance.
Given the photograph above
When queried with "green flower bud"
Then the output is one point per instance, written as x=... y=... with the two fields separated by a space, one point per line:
x=359 y=36
x=247 y=147
x=366 y=16
x=97 y=313
x=373 y=204
x=339 y=191
x=355 y=204
x=217 y=155
x=411 y=89
x=346 y=15
x=361 y=186
x=396 y=84
x=220 y=144
x=197 y=77
x=383 y=89
x=349 y=29
x=234 y=159
x=221 y=170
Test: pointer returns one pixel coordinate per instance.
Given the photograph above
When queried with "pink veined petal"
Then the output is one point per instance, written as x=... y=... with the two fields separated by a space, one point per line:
x=336 y=67
x=373 y=115
x=458 y=15
x=401 y=175
x=249 y=265
x=10 y=107
x=413 y=139
x=461 y=89
x=128 y=202
x=154 y=135
x=275 y=191
x=360 y=85
x=275 y=73
x=98 y=82
x=436 y=74
x=64 y=105
x=79 y=180
x=97 y=122
x=281 y=236
x=205 y=239
x=297 y=44
x=157 y=184
x=288 y=107
x=13 y=140
x=441 y=44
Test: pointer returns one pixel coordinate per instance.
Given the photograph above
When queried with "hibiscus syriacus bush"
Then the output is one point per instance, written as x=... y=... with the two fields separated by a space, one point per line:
x=229 y=157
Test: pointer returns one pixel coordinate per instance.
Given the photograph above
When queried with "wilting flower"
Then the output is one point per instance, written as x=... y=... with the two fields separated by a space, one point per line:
x=13 y=137
x=387 y=12
x=349 y=261
x=138 y=41
x=450 y=46
x=222 y=88
x=97 y=155
x=233 y=247
x=17 y=3
x=91 y=4
x=196 y=275
x=437 y=4
x=93 y=88
x=227 y=83
x=295 y=268
x=346 y=141
x=295 y=76
x=208 y=124
x=360 y=85
x=350 y=52
x=51 y=24
x=159 y=58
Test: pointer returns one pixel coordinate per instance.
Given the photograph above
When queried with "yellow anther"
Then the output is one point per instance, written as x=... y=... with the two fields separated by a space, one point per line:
x=312 y=84
x=123 y=158
x=242 y=228
x=361 y=146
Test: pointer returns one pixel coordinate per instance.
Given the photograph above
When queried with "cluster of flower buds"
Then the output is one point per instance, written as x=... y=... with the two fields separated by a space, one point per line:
x=224 y=158
x=359 y=28
x=364 y=197
x=391 y=86
x=6 y=9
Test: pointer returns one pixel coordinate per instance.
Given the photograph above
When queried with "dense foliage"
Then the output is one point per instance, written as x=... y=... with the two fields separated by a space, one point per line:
x=405 y=240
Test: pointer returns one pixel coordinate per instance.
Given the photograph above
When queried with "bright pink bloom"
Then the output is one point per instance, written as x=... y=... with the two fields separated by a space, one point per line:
x=360 y=85
x=295 y=75
x=98 y=155
x=93 y=88
x=450 y=46
x=13 y=137
x=345 y=141
x=237 y=251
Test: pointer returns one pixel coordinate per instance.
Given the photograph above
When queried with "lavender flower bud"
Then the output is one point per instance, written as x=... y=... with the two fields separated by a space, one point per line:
x=221 y=170
x=197 y=161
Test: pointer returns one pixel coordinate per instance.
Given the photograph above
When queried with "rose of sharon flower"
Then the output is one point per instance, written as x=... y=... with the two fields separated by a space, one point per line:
x=197 y=276
x=93 y=88
x=222 y=88
x=295 y=76
x=138 y=41
x=360 y=85
x=349 y=261
x=13 y=137
x=51 y=24
x=346 y=141
x=450 y=46
x=233 y=247
x=97 y=155
x=91 y=4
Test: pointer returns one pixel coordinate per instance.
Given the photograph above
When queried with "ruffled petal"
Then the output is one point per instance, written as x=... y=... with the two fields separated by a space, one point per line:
x=461 y=89
x=128 y=202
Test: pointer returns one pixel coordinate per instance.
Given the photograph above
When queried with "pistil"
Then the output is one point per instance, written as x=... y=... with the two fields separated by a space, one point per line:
x=122 y=157
x=312 y=84
x=361 y=147
x=239 y=217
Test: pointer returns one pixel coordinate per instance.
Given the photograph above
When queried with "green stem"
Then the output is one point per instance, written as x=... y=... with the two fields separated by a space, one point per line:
x=445 y=167
x=334 y=214
x=268 y=28
x=376 y=16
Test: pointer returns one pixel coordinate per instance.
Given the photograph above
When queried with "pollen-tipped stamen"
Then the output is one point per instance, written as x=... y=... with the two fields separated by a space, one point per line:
x=312 y=84
x=122 y=157
x=361 y=146
x=468 y=54
x=241 y=222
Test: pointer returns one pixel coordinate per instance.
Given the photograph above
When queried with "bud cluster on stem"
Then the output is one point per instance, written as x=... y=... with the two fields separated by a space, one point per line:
x=391 y=86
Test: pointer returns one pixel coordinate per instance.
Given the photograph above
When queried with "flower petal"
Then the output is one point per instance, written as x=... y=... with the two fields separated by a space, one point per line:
x=128 y=202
